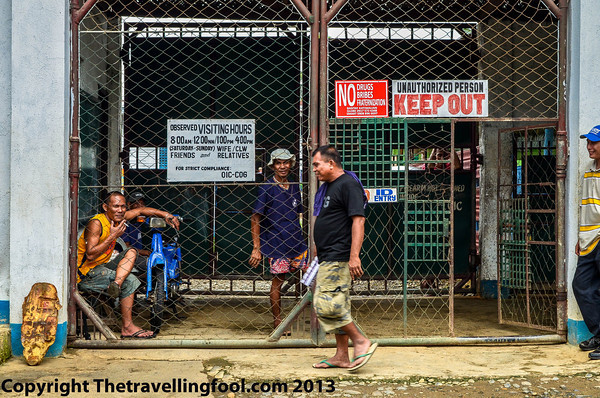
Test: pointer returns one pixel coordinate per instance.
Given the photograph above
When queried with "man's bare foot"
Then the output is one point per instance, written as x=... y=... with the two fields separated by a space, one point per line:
x=332 y=363
x=360 y=347
x=137 y=331
x=362 y=359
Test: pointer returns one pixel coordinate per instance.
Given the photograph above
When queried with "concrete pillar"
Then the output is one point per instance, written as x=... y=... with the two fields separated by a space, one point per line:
x=583 y=103
x=5 y=105
x=488 y=202
x=40 y=122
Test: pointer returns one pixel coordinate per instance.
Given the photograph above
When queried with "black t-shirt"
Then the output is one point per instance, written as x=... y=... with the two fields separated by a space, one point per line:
x=333 y=227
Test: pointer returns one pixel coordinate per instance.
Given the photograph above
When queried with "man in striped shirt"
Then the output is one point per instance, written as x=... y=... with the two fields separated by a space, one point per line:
x=586 y=282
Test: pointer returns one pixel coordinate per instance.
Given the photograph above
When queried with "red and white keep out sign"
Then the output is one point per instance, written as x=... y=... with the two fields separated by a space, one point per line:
x=440 y=98
x=361 y=98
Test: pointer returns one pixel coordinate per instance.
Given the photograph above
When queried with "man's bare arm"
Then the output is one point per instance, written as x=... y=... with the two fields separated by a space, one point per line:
x=255 y=256
x=92 y=233
x=152 y=212
x=358 y=235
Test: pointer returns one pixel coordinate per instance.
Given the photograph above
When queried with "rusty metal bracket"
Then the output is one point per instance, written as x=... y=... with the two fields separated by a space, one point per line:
x=305 y=12
x=80 y=13
x=334 y=10
x=91 y=314
x=553 y=8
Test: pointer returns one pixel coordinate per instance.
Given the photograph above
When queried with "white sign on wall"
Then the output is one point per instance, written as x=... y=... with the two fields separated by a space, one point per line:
x=210 y=150
x=440 y=98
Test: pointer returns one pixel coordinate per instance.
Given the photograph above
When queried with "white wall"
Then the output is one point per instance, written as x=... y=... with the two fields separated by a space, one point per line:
x=5 y=105
x=583 y=103
x=39 y=153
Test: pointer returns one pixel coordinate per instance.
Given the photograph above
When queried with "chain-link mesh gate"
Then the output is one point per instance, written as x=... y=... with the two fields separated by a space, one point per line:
x=142 y=63
x=512 y=45
x=527 y=227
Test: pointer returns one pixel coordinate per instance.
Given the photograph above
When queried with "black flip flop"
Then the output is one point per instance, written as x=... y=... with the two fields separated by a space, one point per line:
x=137 y=334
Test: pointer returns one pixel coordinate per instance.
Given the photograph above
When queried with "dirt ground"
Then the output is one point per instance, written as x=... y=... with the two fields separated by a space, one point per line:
x=585 y=385
x=472 y=371
x=379 y=317
x=479 y=371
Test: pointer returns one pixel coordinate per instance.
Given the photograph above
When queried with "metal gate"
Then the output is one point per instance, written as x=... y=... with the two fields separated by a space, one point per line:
x=137 y=64
x=408 y=253
x=527 y=243
x=142 y=64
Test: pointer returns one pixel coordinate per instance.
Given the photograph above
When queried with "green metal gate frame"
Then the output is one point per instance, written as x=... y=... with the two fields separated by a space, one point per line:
x=427 y=225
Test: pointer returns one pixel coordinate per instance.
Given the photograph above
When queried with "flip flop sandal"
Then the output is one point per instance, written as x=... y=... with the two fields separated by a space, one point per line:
x=137 y=334
x=367 y=356
x=329 y=365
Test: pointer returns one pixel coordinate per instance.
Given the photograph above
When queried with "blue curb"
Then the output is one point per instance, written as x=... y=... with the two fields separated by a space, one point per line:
x=55 y=349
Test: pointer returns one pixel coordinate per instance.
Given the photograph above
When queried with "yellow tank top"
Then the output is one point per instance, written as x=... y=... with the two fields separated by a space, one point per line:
x=86 y=265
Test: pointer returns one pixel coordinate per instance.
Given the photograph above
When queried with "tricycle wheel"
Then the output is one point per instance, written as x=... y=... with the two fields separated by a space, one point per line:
x=158 y=302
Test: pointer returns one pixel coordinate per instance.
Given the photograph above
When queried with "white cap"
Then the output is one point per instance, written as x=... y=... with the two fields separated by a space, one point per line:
x=281 y=154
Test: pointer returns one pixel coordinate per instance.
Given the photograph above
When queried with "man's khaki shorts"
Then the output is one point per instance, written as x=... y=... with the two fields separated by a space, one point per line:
x=98 y=278
x=332 y=295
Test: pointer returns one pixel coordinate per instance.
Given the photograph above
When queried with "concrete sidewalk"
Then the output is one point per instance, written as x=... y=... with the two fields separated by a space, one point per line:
x=388 y=364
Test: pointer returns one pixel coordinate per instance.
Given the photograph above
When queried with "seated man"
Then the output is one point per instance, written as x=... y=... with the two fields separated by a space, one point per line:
x=97 y=273
x=133 y=233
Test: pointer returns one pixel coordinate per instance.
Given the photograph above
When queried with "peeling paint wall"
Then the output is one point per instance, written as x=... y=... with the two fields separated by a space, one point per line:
x=488 y=215
x=39 y=126
x=5 y=105
x=583 y=103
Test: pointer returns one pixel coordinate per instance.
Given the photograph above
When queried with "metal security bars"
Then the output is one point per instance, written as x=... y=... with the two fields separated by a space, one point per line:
x=527 y=227
x=139 y=64
x=409 y=253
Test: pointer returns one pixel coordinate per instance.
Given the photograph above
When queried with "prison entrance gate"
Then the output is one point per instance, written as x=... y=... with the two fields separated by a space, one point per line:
x=139 y=73
x=139 y=64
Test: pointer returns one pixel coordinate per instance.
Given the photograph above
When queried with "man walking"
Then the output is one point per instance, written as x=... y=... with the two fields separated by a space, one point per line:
x=586 y=281
x=338 y=235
